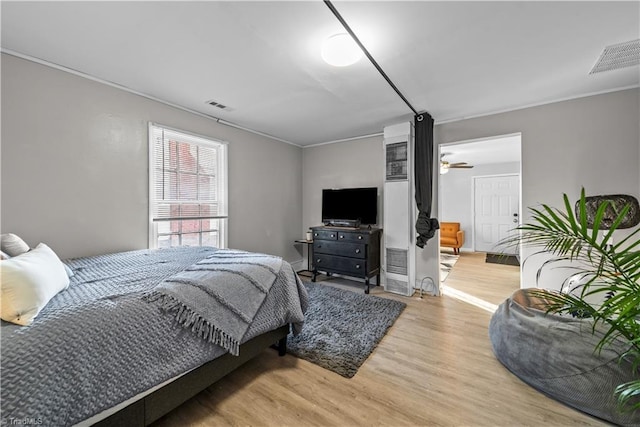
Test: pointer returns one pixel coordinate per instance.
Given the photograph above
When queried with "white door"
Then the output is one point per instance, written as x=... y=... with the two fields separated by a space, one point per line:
x=496 y=211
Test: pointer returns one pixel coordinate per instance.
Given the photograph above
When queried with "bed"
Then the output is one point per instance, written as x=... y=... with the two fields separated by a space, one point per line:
x=103 y=351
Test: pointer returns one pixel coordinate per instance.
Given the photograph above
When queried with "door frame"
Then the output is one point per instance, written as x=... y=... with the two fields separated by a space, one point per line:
x=473 y=202
x=438 y=151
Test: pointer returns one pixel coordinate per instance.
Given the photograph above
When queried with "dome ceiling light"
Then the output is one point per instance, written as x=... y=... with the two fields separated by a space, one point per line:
x=340 y=50
x=361 y=49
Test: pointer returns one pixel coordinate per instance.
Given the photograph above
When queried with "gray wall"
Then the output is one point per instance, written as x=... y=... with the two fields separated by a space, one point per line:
x=356 y=163
x=349 y=164
x=456 y=195
x=591 y=142
x=75 y=167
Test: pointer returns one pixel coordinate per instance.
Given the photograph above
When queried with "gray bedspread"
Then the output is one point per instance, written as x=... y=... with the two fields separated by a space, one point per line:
x=98 y=343
x=218 y=297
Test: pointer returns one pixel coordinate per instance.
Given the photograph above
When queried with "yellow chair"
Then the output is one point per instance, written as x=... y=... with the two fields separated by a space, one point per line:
x=451 y=236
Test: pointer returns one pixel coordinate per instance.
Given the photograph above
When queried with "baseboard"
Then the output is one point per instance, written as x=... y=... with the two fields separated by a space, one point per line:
x=463 y=249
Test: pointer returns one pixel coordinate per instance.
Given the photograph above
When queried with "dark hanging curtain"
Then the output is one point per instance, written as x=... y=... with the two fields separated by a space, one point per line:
x=425 y=225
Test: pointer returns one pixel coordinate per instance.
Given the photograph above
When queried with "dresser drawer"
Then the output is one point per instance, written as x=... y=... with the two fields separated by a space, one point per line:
x=353 y=250
x=353 y=237
x=325 y=234
x=351 y=266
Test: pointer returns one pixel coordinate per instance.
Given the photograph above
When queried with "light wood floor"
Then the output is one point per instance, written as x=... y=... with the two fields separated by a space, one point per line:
x=435 y=367
x=489 y=282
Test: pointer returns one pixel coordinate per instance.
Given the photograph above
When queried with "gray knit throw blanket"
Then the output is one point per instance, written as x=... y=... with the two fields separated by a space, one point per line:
x=218 y=297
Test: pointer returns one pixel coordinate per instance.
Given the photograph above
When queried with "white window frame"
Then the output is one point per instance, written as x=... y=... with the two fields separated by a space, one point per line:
x=223 y=176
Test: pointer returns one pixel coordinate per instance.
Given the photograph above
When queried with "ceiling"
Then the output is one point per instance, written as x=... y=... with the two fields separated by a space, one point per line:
x=262 y=59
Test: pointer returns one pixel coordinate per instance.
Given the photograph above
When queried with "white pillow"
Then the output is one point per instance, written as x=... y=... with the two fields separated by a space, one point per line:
x=28 y=282
x=68 y=270
x=13 y=245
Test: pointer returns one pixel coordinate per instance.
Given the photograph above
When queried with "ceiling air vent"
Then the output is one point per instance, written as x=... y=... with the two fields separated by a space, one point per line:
x=618 y=56
x=219 y=105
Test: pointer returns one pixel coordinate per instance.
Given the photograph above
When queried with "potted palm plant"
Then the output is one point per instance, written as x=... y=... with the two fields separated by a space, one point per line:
x=609 y=274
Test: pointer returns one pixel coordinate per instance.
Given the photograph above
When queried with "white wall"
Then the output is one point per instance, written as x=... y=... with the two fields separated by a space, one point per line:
x=456 y=195
x=591 y=142
x=75 y=167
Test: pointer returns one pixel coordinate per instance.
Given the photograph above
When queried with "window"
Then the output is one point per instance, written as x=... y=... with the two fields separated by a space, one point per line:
x=187 y=189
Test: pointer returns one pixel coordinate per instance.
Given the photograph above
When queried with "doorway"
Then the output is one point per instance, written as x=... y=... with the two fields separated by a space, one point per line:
x=480 y=188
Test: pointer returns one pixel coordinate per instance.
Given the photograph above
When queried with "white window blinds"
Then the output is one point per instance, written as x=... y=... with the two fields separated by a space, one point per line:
x=188 y=186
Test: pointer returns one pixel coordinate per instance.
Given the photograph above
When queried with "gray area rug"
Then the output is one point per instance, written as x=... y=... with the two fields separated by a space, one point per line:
x=342 y=328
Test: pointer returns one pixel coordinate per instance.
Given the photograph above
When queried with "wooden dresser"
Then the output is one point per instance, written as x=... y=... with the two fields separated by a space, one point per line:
x=353 y=252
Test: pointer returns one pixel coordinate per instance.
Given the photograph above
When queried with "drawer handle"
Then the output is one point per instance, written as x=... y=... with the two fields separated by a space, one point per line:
x=342 y=236
x=319 y=261
x=333 y=235
x=357 y=251
x=315 y=234
x=319 y=246
x=357 y=266
x=359 y=237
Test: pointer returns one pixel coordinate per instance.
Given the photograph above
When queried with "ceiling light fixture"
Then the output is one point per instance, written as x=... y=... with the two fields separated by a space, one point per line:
x=341 y=50
x=339 y=17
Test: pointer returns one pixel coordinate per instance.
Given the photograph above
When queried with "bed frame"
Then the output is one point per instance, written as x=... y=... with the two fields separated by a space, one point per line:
x=160 y=402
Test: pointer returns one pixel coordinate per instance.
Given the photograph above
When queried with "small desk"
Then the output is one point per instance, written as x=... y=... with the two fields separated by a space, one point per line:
x=309 y=244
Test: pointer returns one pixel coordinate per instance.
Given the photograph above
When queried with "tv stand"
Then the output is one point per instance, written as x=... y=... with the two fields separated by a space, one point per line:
x=353 y=252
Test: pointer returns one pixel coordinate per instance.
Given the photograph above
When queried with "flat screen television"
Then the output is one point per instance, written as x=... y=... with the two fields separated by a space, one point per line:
x=350 y=204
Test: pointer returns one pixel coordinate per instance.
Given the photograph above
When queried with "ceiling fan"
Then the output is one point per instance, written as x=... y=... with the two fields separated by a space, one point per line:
x=445 y=165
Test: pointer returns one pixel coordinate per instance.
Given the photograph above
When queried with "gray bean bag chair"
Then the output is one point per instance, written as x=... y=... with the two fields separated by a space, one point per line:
x=555 y=355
